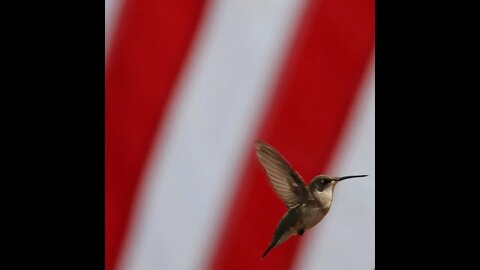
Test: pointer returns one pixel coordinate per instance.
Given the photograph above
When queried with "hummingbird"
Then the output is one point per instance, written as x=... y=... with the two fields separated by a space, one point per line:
x=306 y=205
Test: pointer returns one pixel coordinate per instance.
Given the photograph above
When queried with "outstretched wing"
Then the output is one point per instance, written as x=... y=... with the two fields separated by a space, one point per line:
x=286 y=182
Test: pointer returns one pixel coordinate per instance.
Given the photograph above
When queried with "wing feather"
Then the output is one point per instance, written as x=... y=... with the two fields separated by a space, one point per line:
x=286 y=182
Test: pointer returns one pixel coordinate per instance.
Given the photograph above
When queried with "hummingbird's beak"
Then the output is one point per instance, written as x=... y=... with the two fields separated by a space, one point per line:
x=350 y=176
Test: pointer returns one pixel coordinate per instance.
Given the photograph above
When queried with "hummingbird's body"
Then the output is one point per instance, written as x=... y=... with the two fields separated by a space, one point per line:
x=307 y=205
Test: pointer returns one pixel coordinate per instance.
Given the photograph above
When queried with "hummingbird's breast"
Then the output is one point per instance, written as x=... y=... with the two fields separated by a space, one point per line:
x=312 y=215
x=316 y=208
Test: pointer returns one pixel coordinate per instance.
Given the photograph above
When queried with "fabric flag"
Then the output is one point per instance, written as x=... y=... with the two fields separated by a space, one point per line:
x=190 y=85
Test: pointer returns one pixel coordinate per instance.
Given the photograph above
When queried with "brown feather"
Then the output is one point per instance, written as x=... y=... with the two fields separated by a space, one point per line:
x=286 y=182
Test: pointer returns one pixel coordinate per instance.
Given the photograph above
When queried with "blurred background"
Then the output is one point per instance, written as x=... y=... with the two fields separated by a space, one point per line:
x=190 y=85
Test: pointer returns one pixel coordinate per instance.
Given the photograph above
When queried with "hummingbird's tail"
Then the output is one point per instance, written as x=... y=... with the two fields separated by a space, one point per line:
x=284 y=229
x=268 y=249
x=277 y=239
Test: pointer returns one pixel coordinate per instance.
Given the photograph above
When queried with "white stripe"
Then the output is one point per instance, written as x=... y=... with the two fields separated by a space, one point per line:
x=345 y=239
x=210 y=121
x=112 y=8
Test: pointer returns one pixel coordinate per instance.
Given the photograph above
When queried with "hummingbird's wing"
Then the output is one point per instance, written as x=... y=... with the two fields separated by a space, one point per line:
x=286 y=182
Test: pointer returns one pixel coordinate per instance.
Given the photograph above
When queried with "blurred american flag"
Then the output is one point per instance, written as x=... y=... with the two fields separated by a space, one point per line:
x=190 y=85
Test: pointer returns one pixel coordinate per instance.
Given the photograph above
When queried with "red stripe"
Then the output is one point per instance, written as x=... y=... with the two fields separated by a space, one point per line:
x=310 y=105
x=149 y=48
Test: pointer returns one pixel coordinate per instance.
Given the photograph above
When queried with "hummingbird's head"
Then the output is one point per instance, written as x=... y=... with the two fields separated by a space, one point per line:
x=323 y=182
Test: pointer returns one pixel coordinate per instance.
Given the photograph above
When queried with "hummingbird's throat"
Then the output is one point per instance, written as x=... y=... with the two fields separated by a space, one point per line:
x=324 y=197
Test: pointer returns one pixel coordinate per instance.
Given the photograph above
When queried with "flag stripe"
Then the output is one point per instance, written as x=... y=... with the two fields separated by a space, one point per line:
x=212 y=116
x=346 y=239
x=112 y=8
x=147 y=52
x=304 y=122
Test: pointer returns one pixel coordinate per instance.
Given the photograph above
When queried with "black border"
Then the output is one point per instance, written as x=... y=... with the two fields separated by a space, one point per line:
x=54 y=103
x=420 y=105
